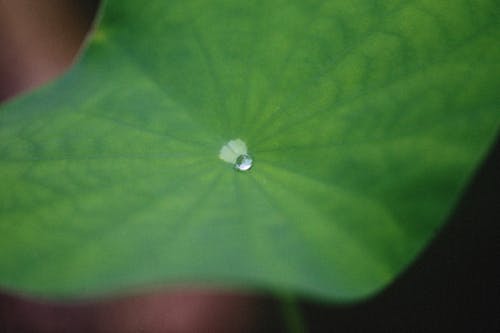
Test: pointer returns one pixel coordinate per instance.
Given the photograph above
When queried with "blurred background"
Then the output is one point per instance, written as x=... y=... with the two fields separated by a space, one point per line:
x=454 y=285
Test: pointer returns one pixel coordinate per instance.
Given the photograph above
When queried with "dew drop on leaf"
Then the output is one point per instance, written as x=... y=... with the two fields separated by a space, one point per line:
x=236 y=152
x=243 y=162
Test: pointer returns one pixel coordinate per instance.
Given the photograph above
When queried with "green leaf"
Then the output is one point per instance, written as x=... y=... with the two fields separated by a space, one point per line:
x=365 y=119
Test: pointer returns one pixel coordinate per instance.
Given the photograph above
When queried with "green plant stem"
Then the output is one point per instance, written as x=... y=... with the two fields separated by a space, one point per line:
x=292 y=316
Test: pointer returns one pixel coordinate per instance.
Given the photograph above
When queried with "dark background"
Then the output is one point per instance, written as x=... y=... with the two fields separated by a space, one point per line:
x=453 y=286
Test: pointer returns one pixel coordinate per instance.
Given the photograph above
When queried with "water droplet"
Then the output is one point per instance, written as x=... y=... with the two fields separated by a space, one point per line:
x=243 y=162
x=235 y=152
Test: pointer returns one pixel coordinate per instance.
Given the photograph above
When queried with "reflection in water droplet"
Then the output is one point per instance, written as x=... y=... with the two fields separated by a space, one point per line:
x=243 y=162
x=235 y=152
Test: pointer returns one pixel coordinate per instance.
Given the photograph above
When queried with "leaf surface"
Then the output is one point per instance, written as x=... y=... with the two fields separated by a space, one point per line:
x=364 y=118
